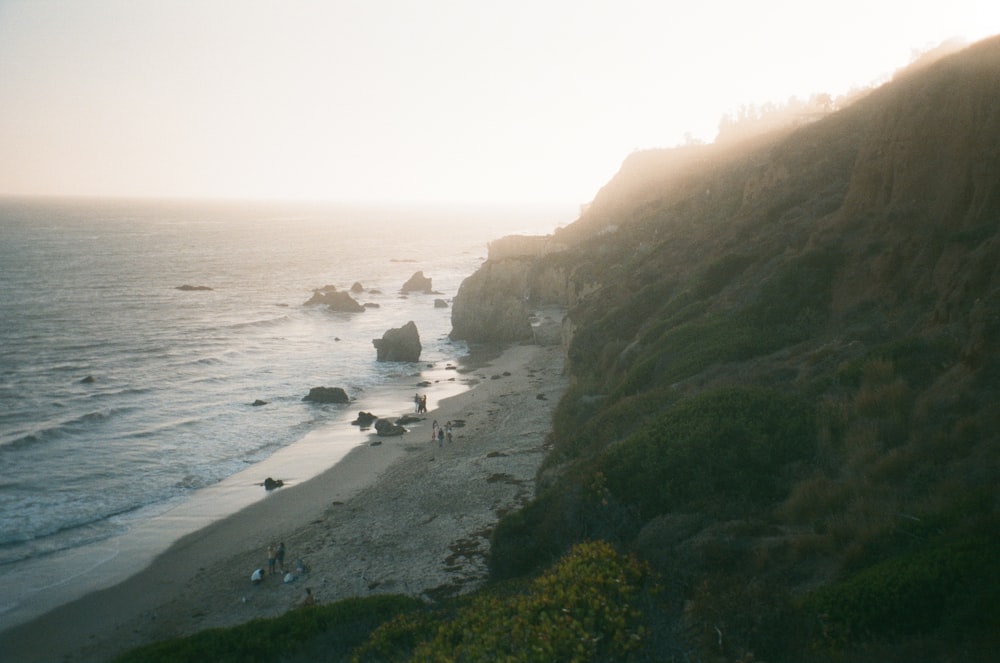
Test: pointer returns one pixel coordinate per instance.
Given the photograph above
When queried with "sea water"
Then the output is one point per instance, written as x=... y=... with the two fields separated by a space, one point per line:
x=122 y=393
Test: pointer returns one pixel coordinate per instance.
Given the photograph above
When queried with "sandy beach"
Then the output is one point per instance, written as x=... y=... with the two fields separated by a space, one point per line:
x=398 y=515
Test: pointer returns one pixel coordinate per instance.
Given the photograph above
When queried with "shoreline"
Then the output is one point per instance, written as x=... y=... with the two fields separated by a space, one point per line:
x=35 y=587
x=400 y=516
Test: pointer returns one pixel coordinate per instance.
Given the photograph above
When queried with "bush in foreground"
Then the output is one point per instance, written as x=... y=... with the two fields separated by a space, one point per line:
x=582 y=609
x=342 y=626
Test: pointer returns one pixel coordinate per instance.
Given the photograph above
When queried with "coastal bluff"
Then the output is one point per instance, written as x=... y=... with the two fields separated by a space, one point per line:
x=521 y=273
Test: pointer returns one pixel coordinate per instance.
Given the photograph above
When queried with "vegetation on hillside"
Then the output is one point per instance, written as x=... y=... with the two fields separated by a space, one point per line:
x=785 y=387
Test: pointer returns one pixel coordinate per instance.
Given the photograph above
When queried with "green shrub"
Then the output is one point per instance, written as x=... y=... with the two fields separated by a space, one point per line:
x=582 y=609
x=396 y=639
x=743 y=619
x=522 y=543
x=918 y=360
x=729 y=444
x=578 y=508
x=800 y=289
x=606 y=422
x=942 y=584
x=343 y=626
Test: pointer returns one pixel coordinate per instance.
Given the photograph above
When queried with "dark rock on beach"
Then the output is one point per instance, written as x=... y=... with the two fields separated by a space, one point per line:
x=258 y=403
x=440 y=303
x=365 y=419
x=189 y=288
x=327 y=395
x=387 y=428
x=271 y=484
x=399 y=344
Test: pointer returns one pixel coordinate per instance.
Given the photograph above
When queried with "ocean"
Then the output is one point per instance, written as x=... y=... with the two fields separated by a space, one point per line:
x=124 y=396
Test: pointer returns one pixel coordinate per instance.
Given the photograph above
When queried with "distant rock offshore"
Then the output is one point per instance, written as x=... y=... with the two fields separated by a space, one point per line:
x=418 y=283
x=193 y=288
x=335 y=300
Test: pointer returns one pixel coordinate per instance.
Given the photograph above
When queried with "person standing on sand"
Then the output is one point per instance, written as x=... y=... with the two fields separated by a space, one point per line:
x=434 y=430
x=281 y=556
x=272 y=557
x=416 y=403
x=447 y=430
x=440 y=437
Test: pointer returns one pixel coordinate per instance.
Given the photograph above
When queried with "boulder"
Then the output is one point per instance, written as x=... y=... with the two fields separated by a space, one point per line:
x=193 y=288
x=357 y=288
x=417 y=283
x=258 y=403
x=271 y=484
x=400 y=344
x=387 y=428
x=337 y=301
x=440 y=303
x=365 y=419
x=327 y=395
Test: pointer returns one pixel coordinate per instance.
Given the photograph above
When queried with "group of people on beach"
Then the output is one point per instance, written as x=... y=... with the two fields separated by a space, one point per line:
x=420 y=403
x=440 y=433
x=276 y=563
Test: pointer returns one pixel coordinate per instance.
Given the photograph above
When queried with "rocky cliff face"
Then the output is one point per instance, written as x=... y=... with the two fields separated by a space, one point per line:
x=491 y=305
x=494 y=305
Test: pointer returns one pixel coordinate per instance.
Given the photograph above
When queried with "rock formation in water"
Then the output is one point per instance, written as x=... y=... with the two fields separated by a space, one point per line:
x=327 y=395
x=399 y=344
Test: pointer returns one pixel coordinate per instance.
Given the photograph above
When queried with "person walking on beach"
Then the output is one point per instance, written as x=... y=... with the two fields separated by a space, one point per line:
x=434 y=430
x=281 y=556
x=416 y=402
x=440 y=437
x=423 y=405
x=272 y=557
x=447 y=430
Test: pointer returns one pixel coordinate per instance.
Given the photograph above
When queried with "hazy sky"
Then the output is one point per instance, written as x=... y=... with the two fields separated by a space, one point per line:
x=413 y=100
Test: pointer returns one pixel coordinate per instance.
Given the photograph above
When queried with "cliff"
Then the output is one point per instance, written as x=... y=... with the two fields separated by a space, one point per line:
x=784 y=361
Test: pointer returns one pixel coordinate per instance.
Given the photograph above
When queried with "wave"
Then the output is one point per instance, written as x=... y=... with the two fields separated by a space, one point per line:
x=18 y=545
x=262 y=323
x=153 y=431
x=83 y=422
